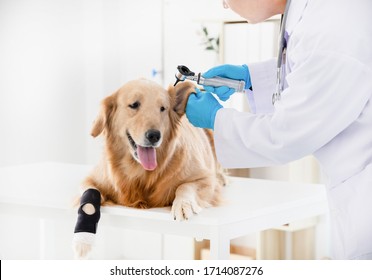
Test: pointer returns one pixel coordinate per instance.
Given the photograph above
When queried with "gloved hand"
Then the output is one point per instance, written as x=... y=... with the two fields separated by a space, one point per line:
x=236 y=72
x=201 y=109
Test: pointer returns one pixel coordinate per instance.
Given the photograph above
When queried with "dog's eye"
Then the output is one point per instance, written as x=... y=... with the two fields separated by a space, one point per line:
x=162 y=109
x=134 y=105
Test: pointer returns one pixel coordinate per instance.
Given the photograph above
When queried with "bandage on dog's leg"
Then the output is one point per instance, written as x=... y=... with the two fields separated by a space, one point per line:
x=89 y=212
x=87 y=221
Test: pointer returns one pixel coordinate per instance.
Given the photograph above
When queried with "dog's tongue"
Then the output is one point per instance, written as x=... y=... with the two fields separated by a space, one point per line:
x=147 y=157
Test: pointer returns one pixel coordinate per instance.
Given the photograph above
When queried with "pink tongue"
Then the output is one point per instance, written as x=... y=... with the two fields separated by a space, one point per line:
x=147 y=157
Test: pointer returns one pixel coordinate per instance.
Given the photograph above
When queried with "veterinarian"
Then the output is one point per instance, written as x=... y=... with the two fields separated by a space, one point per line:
x=316 y=99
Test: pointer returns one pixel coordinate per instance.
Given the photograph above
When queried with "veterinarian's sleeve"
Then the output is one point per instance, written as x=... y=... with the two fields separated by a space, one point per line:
x=306 y=118
x=263 y=80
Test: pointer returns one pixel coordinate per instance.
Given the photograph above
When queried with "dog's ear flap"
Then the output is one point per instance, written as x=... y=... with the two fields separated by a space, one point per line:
x=108 y=106
x=180 y=94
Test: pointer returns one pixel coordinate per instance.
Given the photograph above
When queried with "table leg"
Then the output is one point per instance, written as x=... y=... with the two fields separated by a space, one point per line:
x=288 y=255
x=220 y=248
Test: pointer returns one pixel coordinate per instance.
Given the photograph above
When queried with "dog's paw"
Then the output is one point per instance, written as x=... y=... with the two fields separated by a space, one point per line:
x=82 y=244
x=184 y=208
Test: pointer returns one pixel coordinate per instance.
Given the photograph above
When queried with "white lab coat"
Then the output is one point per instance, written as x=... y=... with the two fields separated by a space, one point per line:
x=325 y=110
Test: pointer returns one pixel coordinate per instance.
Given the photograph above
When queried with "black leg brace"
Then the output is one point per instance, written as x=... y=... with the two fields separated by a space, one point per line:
x=85 y=222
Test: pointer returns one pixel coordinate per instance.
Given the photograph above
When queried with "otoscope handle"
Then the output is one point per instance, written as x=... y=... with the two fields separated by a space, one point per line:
x=219 y=81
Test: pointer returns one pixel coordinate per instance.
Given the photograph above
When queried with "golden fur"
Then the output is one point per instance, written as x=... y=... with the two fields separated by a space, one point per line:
x=187 y=175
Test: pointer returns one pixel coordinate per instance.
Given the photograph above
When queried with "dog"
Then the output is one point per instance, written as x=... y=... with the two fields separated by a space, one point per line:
x=153 y=157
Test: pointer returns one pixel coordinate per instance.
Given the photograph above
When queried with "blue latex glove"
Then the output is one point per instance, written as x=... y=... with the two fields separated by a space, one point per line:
x=236 y=72
x=201 y=109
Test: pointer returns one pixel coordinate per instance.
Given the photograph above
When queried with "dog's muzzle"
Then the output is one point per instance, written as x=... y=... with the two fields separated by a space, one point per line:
x=146 y=154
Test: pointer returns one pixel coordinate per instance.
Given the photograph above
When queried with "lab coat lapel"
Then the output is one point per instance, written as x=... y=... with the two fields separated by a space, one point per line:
x=295 y=13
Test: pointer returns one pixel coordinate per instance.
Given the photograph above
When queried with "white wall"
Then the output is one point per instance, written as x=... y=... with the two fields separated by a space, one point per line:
x=183 y=21
x=41 y=81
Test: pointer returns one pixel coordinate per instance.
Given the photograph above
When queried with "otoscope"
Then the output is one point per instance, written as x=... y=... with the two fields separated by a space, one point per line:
x=184 y=73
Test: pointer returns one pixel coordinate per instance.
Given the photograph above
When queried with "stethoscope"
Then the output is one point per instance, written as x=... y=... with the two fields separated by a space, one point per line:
x=281 y=56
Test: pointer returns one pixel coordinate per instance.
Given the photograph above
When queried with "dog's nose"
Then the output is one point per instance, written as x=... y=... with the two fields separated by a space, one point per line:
x=153 y=136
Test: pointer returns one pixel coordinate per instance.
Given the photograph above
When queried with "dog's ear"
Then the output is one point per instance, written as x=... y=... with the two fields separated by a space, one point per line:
x=180 y=94
x=108 y=106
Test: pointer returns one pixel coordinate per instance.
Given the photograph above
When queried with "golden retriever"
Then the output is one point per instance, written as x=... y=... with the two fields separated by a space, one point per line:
x=153 y=156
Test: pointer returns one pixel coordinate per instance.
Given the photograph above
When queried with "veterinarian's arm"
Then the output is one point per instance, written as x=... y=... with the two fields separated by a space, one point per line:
x=307 y=117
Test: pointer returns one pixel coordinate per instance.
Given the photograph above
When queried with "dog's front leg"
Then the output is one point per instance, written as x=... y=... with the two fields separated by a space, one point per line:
x=87 y=221
x=186 y=203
